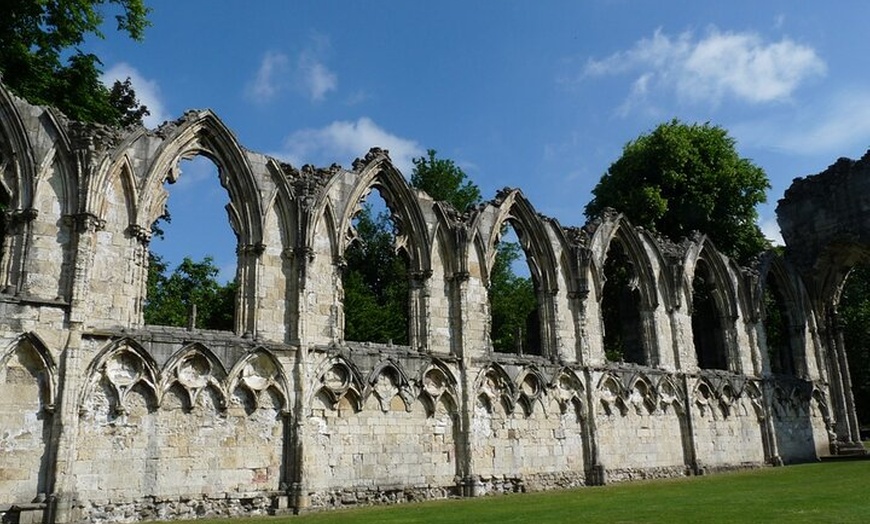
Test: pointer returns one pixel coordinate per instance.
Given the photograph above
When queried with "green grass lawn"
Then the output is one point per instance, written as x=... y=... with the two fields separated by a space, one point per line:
x=828 y=492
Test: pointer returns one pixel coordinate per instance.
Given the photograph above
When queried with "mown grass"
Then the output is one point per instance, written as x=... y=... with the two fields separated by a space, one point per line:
x=827 y=492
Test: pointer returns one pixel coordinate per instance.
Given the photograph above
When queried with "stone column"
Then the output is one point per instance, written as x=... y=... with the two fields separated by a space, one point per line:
x=71 y=372
x=249 y=279
x=690 y=449
x=467 y=483
x=87 y=226
x=596 y=474
x=15 y=243
x=418 y=314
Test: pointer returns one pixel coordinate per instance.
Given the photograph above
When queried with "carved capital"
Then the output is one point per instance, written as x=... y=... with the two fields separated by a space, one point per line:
x=140 y=233
x=251 y=249
x=88 y=223
x=459 y=276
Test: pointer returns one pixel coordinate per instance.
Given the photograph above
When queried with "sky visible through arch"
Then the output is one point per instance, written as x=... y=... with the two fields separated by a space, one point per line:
x=536 y=95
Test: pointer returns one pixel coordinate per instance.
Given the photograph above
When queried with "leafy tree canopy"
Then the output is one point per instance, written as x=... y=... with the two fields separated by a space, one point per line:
x=375 y=283
x=680 y=178
x=171 y=298
x=854 y=309
x=41 y=61
x=443 y=180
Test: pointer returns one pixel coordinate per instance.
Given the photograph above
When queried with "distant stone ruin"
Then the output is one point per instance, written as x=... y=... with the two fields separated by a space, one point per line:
x=105 y=419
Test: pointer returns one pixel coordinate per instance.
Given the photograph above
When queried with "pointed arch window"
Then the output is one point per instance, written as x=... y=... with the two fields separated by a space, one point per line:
x=708 y=330
x=777 y=321
x=375 y=278
x=192 y=257
x=620 y=308
x=515 y=313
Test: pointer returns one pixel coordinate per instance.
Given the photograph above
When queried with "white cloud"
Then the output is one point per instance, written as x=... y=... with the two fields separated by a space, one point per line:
x=741 y=66
x=270 y=78
x=829 y=127
x=344 y=140
x=315 y=78
x=147 y=91
x=306 y=74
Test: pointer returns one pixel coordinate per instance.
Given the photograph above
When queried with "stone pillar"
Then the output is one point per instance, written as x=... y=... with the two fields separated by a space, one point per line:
x=649 y=337
x=141 y=262
x=838 y=382
x=596 y=474
x=466 y=481
x=15 y=244
x=768 y=432
x=418 y=314
x=71 y=373
x=690 y=450
x=853 y=432
x=249 y=280
x=87 y=226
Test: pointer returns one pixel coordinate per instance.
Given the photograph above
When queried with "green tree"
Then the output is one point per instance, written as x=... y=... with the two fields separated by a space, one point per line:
x=376 y=277
x=171 y=297
x=375 y=283
x=854 y=309
x=443 y=180
x=513 y=305
x=41 y=59
x=680 y=178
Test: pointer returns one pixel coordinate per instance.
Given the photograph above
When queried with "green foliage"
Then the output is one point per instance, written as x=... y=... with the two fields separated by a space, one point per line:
x=854 y=309
x=40 y=58
x=375 y=283
x=443 y=180
x=680 y=178
x=375 y=278
x=171 y=297
x=513 y=305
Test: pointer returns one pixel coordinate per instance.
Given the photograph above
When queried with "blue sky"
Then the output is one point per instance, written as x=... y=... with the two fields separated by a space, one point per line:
x=536 y=95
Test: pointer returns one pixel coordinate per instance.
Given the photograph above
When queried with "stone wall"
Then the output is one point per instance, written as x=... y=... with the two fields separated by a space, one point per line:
x=105 y=419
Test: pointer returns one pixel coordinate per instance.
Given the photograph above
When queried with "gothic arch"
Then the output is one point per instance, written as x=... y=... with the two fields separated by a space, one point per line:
x=377 y=171
x=16 y=147
x=511 y=206
x=258 y=373
x=774 y=269
x=203 y=133
x=38 y=349
x=338 y=377
x=125 y=366
x=196 y=369
x=495 y=385
x=619 y=229
x=713 y=320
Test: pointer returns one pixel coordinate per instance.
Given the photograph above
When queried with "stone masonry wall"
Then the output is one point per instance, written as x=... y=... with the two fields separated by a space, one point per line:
x=105 y=419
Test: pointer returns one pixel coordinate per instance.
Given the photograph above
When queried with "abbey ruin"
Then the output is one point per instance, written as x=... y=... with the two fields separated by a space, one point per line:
x=106 y=419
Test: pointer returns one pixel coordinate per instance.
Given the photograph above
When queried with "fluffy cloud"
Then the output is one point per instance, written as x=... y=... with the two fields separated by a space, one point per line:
x=741 y=66
x=270 y=77
x=314 y=77
x=307 y=74
x=344 y=141
x=147 y=91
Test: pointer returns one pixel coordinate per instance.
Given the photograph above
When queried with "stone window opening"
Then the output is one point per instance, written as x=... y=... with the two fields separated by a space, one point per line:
x=513 y=292
x=708 y=330
x=376 y=279
x=778 y=329
x=190 y=284
x=621 y=308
